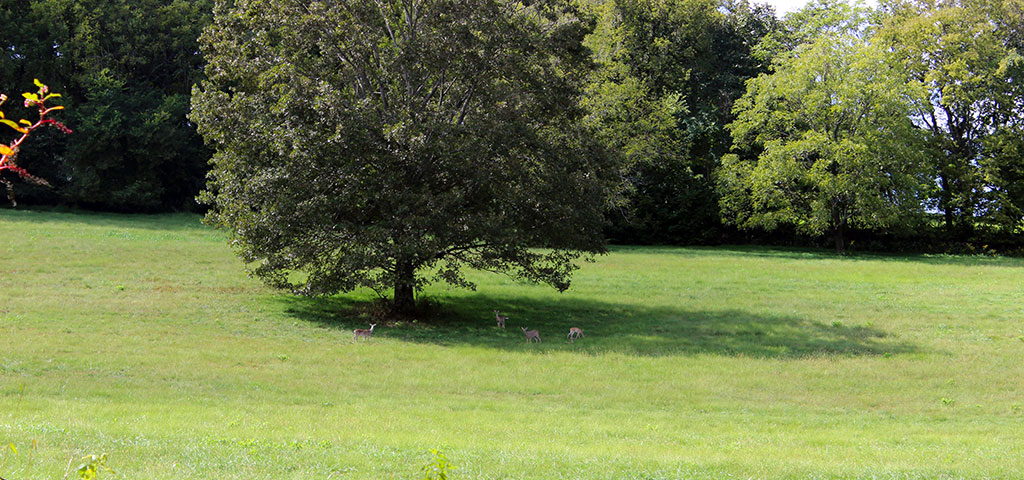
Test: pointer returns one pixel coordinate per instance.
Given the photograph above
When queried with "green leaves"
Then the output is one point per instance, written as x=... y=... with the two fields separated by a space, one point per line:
x=668 y=73
x=9 y=152
x=149 y=158
x=356 y=147
x=91 y=466
x=961 y=55
x=438 y=468
x=828 y=143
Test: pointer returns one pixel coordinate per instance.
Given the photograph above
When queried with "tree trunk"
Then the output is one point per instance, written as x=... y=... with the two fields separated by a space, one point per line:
x=405 y=291
x=945 y=202
x=840 y=241
x=839 y=227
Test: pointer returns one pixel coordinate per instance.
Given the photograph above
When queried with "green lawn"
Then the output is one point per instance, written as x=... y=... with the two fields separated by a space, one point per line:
x=142 y=337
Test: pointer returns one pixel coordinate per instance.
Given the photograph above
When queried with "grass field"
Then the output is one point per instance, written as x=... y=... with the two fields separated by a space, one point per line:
x=142 y=337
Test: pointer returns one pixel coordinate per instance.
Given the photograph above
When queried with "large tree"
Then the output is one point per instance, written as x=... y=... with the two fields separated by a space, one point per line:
x=385 y=144
x=963 y=53
x=669 y=73
x=824 y=143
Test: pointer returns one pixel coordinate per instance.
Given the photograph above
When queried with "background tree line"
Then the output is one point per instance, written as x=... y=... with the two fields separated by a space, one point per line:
x=126 y=69
x=899 y=127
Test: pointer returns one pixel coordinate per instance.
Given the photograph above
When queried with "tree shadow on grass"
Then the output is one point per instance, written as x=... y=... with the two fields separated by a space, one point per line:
x=804 y=253
x=608 y=328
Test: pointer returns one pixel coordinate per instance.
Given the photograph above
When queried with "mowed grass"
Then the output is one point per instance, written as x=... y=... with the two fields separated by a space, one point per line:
x=142 y=337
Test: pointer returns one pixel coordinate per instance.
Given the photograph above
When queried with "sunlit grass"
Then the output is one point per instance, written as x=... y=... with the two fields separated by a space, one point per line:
x=141 y=337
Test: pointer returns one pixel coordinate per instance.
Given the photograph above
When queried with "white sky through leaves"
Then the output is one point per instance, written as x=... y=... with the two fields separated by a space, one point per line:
x=783 y=7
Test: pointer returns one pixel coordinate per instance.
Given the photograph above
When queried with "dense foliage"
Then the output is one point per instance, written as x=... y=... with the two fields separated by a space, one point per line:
x=923 y=117
x=666 y=85
x=961 y=53
x=361 y=145
x=669 y=73
x=126 y=68
x=825 y=144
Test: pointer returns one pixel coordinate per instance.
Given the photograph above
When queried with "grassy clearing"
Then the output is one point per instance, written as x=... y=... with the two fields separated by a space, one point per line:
x=141 y=337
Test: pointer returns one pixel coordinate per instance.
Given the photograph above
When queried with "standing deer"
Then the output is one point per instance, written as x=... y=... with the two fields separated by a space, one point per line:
x=362 y=332
x=501 y=318
x=574 y=333
x=531 y=335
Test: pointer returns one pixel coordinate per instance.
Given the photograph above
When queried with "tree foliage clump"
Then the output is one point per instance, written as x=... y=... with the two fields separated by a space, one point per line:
x=387 y=144
x=669 y=71
x=964 y=55
x=825 y=143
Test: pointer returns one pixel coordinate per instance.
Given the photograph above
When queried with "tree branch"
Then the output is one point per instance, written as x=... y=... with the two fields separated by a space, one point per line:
x=465 y=105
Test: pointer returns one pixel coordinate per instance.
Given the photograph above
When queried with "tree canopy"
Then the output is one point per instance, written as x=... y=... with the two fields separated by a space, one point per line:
x=387 y=144
x=656 y=82
x=825 y=142
x=669 y=71
x=962 y=55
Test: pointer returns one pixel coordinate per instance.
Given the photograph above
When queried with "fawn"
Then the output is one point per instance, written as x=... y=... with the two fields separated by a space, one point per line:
x=574 y=333
x=362 y=332
x=501 y=318
x=531 y=335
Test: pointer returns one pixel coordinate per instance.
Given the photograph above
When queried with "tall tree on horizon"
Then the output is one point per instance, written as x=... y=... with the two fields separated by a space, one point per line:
x=824 y=143
x=669 y=72
x=962 y=53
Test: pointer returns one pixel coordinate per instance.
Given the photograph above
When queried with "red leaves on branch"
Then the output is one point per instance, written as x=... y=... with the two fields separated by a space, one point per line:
x=9 y=152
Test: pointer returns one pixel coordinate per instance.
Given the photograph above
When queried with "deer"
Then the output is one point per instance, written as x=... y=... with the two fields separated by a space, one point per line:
x=501 y=318
x=531 y=335
x=362 y=332
x=574 y=333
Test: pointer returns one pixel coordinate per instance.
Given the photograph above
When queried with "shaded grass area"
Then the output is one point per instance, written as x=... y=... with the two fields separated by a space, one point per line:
x=612 y=328
x=141 y=336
